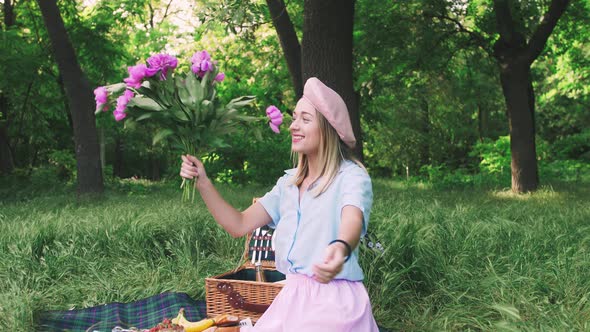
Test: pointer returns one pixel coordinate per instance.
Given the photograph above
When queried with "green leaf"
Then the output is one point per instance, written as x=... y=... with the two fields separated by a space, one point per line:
x=144 y=116
x=116 y=88
x=195 y=90
x=247 y=118
x=228 y=116
x=149 y=93
x=240 y=102
x=205 y=80
x=183 y=93
x=130 y=124
x=179 y=115
x=162 y=134
x=207 y=110
x=145 y=104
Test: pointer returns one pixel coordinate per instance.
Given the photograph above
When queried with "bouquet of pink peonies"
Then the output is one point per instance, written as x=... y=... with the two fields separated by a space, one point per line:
x=183 y=105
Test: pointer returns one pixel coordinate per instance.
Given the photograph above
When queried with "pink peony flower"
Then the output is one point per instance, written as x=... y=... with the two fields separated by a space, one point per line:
x=101 y=96
x=200 y=56
x=119 y=115
x=201 y=61
x=162 y=62
x=122 y=102
x=128 y=94
x=275 y=116
x=137 y=73
x=206 y=66
x=219 y=77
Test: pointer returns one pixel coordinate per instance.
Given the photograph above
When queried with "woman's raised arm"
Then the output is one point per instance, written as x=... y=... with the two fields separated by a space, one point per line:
x=236 y=223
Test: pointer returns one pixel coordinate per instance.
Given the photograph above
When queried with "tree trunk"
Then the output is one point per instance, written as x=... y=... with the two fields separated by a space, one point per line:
x=516 y=83
x=482 y=121
x=8 y=14
x=118 y=164
x=424 y=118
x=80 y=100
x=62 y=88
x=515 y=56
x=102 y=145
x=6 y=155
x=326 y=53
x=289 y=42
x=154 y=167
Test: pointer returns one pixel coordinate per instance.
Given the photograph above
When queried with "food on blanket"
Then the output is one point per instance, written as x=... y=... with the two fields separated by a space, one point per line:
x=166 y=326
x=226 y=320
x=192 y=326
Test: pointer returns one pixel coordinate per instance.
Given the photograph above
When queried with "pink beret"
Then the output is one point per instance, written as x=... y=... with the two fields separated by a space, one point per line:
x=318 y=96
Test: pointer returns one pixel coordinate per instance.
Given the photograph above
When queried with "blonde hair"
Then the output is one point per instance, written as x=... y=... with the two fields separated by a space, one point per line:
x=331 y=153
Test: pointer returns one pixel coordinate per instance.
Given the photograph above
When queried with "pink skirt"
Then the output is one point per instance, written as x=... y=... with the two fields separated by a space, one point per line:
x=307 y=305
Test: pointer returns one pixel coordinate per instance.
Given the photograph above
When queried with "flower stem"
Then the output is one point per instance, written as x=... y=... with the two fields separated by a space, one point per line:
x=188 y=193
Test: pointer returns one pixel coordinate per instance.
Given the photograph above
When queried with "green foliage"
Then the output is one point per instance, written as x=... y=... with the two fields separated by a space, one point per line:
x=494 y=155
x=429 y=86
x=422 y=106
x=248 y=160
x=45 y=176
x=65 y=162
x=573 y=146
x=494 y=167
x=565 y=170
x=429 y=90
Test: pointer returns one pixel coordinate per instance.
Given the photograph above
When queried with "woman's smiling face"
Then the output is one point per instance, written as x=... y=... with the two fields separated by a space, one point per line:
x=305 y=131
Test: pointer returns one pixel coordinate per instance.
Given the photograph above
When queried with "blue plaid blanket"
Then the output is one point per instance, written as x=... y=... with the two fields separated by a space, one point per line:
x=142 y=314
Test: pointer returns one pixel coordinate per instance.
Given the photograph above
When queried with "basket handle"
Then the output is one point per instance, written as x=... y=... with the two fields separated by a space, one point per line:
x=237 y=301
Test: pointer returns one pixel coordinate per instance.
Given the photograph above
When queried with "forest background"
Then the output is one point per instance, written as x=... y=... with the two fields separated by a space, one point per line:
x=429 y=90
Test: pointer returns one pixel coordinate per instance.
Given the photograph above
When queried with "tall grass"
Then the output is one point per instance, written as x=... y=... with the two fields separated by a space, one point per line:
x=481 y=260
x=453 y=260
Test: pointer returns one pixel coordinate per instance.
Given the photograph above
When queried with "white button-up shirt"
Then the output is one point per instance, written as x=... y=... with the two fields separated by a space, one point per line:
x=303 y=229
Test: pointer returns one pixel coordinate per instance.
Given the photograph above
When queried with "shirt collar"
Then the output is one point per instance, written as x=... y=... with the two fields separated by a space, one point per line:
x=343 y=165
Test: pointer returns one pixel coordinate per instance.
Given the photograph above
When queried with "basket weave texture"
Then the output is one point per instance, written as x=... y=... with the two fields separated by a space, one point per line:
x=242 y=281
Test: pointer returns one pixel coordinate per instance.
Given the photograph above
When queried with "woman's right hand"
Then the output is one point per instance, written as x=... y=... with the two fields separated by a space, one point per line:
x=192 y=168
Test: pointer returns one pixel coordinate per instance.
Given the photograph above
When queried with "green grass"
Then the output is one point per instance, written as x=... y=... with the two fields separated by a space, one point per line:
x=453 y=260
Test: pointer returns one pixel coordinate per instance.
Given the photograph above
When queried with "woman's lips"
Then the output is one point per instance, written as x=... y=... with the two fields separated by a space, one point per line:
x=296 y=138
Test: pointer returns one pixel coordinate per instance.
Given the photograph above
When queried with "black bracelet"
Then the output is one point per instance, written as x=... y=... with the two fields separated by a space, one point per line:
x=348 y=248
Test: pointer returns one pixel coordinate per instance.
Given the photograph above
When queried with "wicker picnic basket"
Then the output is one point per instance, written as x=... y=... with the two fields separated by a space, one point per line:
x=237 y=292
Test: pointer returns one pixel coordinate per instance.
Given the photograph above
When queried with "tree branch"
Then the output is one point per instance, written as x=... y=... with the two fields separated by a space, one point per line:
x=477 y=39
x=289 y=42
x=166 y=11
x=545 y=28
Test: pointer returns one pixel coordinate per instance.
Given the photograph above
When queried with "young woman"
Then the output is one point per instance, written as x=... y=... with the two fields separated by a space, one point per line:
x=319 y=210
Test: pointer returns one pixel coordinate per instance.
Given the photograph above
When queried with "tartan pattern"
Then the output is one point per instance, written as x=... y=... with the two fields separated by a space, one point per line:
x=143 y=314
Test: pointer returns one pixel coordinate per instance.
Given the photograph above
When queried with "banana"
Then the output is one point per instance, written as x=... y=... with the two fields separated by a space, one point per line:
x=192 y=326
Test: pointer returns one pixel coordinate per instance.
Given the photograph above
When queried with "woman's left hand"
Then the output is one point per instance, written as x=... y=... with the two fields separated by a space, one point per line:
x=333 y=262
